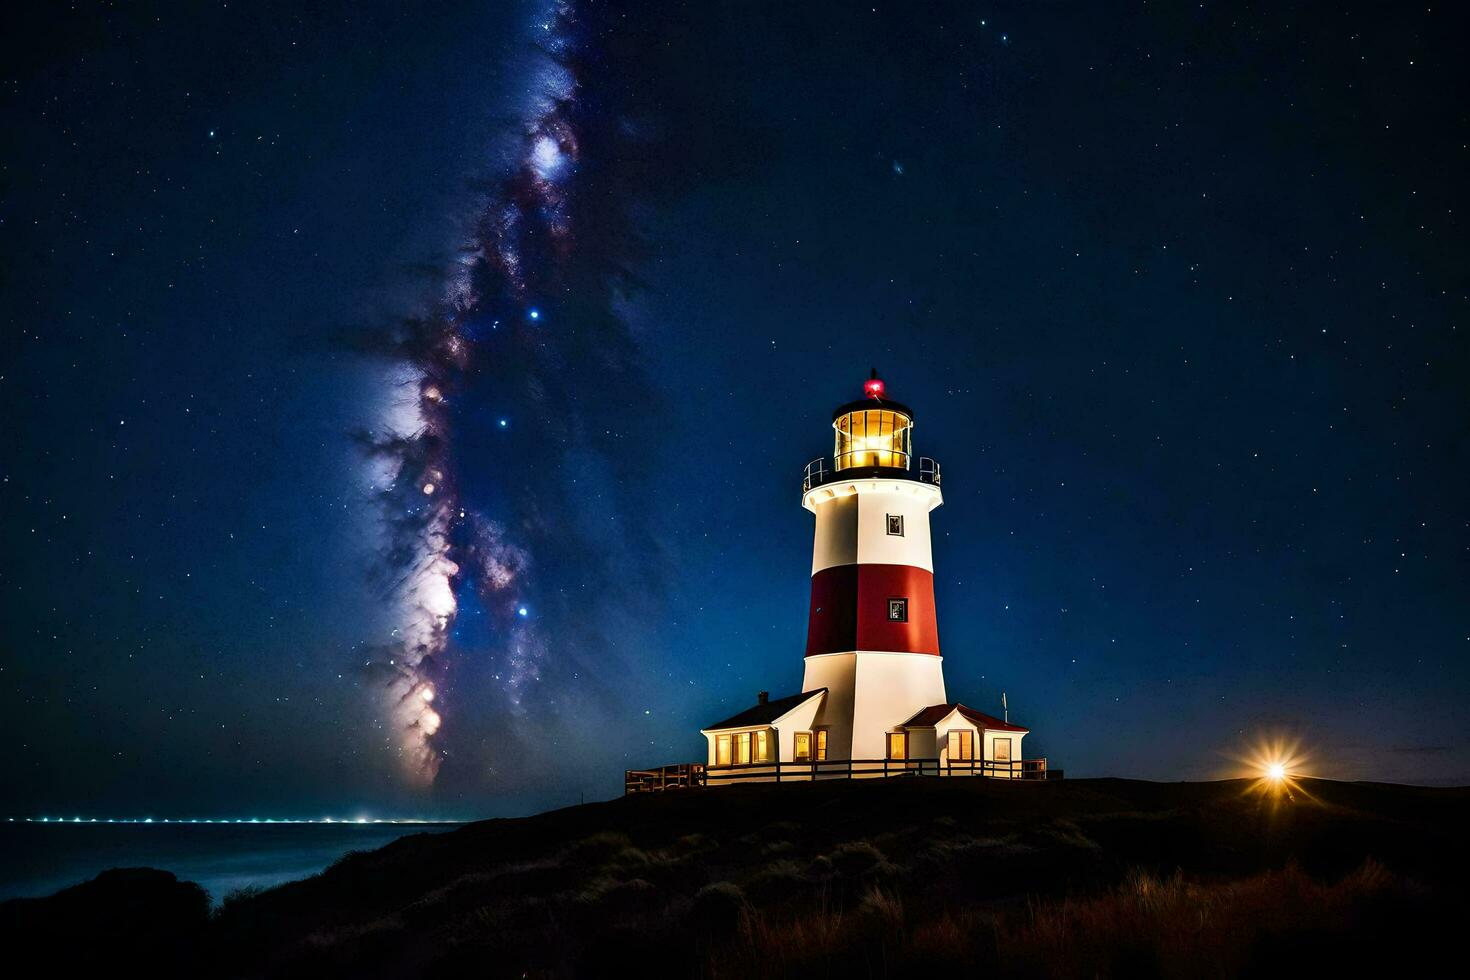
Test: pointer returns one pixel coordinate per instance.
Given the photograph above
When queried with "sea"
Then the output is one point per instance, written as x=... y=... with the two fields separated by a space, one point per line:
x=42 y=858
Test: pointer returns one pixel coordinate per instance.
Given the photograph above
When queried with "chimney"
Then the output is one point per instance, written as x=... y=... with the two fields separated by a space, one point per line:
x=762 y=697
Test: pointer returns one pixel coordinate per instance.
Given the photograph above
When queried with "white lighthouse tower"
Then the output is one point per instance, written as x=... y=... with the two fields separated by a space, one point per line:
x=872 y=634
x=872 y=699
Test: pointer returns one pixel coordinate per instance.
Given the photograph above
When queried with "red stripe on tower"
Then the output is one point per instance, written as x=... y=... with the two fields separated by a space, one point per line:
x=872 y=607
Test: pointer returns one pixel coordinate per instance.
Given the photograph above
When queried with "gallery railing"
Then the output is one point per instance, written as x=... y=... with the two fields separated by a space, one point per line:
x=697 y=774
x=929 y=470
x=817 y=472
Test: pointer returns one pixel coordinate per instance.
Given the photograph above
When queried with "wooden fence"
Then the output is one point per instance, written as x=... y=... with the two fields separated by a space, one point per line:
x=697 y=774
x=681 y=776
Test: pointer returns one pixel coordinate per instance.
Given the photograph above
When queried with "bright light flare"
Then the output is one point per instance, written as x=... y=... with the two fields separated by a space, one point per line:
x=1274 y=765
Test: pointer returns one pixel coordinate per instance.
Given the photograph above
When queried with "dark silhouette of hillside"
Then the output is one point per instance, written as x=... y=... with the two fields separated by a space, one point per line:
x=884 y=878
x=124 y=916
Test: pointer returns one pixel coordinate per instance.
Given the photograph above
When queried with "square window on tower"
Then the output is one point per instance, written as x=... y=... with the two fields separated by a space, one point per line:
x=895 y=525
x=898 y=610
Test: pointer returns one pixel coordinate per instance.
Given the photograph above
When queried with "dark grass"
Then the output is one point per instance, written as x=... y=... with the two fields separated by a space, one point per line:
x=900 y=878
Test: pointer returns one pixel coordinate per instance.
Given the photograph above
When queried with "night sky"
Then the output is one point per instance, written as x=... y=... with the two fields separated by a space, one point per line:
x=403 y=411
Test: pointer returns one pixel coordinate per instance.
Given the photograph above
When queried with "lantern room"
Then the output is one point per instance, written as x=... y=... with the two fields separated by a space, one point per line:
x=870 y=435
x=872 y=432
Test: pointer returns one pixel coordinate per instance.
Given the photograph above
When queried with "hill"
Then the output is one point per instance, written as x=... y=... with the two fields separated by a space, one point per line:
x=883 y=878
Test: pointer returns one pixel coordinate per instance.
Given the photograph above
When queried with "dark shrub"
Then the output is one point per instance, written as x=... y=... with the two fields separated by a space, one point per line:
x=719 y=907
x=855 y=857
x=777 y=882
x=124 y=920
x=596 y=848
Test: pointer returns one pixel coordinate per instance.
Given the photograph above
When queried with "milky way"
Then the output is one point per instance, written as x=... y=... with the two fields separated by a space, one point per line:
x=507 y=455
x=436 y=542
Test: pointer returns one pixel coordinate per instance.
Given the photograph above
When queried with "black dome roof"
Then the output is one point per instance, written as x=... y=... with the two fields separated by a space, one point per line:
x=872 y=405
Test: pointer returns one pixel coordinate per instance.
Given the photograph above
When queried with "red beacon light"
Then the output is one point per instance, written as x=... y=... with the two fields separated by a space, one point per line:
x=873 y=387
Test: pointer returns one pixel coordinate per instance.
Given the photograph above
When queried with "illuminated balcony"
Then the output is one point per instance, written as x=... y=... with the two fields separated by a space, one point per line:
x=821 y=470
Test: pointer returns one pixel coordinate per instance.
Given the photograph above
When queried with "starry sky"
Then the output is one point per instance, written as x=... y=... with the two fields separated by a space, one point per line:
x=403 y=408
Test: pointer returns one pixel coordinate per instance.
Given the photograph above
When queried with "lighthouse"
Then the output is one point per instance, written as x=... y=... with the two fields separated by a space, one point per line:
x=872 y=699
x=872 y=632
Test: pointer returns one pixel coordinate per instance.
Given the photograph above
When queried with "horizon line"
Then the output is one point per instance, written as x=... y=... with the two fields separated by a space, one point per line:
x=350 y=821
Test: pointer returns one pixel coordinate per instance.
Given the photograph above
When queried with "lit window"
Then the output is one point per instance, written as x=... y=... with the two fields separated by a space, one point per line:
x=742 y=748
x=801 y=751
x=762 y=743
x=898 y=610
x=873 y=438
x=898 y=745
x=961 y=746
x=722 y=750
x=822 y=745
x=1002 y=750
x=895 y=525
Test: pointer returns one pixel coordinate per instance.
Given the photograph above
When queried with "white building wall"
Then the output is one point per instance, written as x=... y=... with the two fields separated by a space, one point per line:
x=836 y=540
x=870 y=694
x=798 y=719
x=891 y=688
x=852 y=523
x=1015 y=737
x=836 y=672
x=875 y=546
